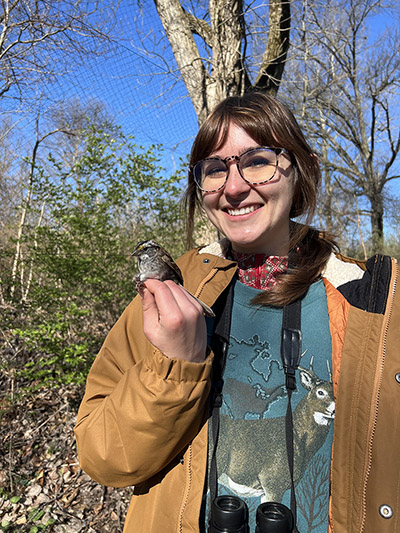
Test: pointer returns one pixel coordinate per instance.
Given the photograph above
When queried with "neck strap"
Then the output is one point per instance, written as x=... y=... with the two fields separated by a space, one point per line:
x=290 y=354
x=219 y=345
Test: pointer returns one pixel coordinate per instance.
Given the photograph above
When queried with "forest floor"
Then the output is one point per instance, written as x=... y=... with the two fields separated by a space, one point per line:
x=42 y=487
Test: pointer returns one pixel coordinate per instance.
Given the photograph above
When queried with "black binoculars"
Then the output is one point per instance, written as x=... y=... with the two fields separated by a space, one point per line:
x=229 y=514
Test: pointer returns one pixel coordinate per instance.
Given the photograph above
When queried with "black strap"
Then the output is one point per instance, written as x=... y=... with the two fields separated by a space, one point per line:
x=219 y=345
x=291 y=353
x=291 y=342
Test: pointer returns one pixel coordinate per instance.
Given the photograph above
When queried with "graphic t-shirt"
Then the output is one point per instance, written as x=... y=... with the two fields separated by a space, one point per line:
x=251 y=453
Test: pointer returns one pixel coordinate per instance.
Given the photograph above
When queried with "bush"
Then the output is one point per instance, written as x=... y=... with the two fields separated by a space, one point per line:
x=74 y=270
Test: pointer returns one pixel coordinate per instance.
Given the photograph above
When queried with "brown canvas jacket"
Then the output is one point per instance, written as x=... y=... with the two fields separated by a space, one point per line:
x=143 y=419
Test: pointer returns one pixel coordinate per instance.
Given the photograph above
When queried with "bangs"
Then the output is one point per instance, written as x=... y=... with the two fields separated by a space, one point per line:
x=214 y=134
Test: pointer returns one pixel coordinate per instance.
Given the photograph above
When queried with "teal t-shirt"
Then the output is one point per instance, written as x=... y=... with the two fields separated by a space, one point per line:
x=251 y=453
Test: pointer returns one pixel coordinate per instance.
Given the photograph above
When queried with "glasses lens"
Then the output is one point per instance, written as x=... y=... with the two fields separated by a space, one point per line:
x=258 y=166
x=210 y=174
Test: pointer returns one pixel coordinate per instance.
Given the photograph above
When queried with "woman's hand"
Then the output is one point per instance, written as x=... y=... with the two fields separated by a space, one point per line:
x=173 y=321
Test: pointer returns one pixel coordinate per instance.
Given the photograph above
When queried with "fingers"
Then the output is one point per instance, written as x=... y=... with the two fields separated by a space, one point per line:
x=169 y=298
x=173 y=321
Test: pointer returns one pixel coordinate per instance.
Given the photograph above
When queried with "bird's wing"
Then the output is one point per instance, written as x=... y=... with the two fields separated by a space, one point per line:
x=171 y=263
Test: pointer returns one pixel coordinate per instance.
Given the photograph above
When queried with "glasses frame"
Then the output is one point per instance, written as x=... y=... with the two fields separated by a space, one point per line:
x=237 y=158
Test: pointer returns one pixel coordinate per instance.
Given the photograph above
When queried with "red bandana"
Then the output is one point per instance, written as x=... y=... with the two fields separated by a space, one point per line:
x=259 y=271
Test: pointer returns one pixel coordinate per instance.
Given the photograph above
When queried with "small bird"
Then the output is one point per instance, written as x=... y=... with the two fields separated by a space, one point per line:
x=155 y=262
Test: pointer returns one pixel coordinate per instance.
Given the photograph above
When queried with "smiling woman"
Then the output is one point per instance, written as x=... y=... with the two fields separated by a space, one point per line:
x=255 y=215
x=279 y=294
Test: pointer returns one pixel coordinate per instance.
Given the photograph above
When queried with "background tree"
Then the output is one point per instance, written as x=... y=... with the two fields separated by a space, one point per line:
x=9 y=148
x=214 y=49
x=40 y=43
x=70 y=269
x=348 y=89
x=40 y=40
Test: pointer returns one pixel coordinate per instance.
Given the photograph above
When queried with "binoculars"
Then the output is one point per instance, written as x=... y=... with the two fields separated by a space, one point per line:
x=229 y=514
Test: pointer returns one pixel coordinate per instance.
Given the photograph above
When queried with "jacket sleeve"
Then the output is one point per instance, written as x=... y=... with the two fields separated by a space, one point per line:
x=140 y=408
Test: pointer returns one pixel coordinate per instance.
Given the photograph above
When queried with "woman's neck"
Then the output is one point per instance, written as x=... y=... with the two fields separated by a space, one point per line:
x=259 y=270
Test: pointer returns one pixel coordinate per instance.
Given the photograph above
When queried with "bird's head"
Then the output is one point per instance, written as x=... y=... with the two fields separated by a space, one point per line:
x=145 y=247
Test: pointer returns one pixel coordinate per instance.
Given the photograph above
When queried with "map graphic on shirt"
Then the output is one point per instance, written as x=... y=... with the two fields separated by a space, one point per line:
x=251 y=453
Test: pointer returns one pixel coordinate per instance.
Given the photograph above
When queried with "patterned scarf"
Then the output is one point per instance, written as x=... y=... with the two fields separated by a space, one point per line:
x=259 y=271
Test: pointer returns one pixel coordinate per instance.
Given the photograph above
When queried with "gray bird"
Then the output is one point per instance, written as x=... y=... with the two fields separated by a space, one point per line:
x=156 y=263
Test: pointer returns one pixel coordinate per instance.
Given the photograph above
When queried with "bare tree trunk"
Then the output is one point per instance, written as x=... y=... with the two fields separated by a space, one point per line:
x=21 y=225
x=228 y=73
x=359 y=229
x=376 y=218
x=274 y=60
x=327 y=210
x=218 y=69
x=25 y=292
x=18 y=262
x=178 y=27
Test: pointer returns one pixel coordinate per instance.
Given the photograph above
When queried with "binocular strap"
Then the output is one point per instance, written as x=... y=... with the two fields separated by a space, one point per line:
x=291 y=353
x=220 y=343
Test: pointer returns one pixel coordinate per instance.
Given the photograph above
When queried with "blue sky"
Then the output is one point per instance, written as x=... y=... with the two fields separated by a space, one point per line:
x=140 y=89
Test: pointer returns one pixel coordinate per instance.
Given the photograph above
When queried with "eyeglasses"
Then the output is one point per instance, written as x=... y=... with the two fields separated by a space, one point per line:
x=256 y=166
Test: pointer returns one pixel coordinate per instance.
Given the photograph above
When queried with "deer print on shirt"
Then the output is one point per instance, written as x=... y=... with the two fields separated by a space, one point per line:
x=255 y=461
x=253 y=398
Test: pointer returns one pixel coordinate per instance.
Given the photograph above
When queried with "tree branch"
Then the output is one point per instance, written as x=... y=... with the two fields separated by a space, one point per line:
x=177 y=27
x=275 y=55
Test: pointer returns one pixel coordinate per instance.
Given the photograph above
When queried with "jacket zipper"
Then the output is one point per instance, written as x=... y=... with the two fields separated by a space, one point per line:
x=209 y=277
x=385 y=328
x=188 y=487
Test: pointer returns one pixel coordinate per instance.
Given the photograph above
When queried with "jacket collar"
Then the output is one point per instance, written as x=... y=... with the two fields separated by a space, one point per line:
x=337 y=271
x=217 y=248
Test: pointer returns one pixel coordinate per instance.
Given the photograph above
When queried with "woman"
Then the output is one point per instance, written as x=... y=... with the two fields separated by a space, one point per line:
x=183 y=408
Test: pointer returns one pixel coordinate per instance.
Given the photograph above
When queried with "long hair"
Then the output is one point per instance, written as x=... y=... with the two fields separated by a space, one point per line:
x=270 y=123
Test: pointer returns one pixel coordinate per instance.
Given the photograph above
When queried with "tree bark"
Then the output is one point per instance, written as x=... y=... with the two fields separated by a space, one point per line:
x=218 y=68
x=194 y=74
x=274 y=60
x=377 y=212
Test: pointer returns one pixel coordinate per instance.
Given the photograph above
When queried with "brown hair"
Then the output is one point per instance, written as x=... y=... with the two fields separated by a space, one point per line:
x=271 y=123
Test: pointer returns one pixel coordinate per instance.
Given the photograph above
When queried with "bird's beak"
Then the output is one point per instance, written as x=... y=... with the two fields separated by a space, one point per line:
x=136 y=250
x=139 y=248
